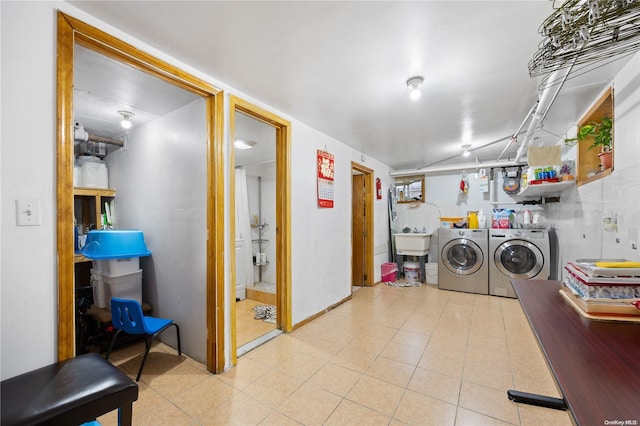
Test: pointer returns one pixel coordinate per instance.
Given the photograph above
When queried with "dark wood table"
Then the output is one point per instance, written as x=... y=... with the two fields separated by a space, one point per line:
x=596 y=363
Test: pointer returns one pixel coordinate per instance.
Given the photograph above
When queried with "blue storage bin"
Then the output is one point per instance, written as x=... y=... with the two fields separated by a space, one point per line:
x=115 y=244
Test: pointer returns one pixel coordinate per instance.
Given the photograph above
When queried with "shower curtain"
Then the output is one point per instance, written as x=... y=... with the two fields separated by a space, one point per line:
x=244 y=258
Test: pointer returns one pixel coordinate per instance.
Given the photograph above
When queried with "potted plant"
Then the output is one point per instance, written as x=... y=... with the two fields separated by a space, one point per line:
x=601 y=132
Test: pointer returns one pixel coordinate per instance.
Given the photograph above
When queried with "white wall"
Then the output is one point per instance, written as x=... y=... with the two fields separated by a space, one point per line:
x=443 y=198
x=321 y=238
x=321 y=251
x=579 y=217
x=28 y=271
x=160 y=181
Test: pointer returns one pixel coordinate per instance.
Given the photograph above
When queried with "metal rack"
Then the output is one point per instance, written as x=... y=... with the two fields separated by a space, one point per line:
x=260 y=225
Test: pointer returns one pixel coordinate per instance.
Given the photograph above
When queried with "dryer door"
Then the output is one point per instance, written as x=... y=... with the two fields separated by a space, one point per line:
x=462 y=256
x=518 y=259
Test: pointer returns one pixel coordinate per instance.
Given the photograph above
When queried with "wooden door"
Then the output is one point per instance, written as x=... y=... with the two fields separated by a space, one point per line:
x=358 y=231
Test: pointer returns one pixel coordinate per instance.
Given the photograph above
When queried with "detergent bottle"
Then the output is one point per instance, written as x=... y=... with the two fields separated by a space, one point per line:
x=472 y=218
x=482 y=220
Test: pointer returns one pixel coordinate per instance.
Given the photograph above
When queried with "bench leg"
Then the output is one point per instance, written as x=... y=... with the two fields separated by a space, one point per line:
x=125 y=413
x=535 y=399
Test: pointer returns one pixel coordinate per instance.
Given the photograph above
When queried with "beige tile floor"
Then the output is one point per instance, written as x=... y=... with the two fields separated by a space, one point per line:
x=390 y=356
x=248 y=328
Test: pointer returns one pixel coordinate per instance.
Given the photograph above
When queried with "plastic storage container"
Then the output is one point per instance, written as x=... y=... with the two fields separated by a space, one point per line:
x=412 y=271
x=99 y=292
x=115 y=244
x=450 y=222
x=94 y=174
x=117 y=266
x=77 y=176
x=389 y=272
x=125 y=286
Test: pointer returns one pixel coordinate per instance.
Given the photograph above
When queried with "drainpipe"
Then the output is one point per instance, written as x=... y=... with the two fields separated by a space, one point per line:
x=544 y=102
x=515 y=135
x=455 y=167
x=539 y=111
x=81 y=135
x=544 y=105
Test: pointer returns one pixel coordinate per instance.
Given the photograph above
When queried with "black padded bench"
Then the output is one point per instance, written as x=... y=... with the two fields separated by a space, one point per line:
x=70 y=392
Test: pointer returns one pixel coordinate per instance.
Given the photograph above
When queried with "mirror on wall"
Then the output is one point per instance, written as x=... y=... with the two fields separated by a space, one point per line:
x=409 y=189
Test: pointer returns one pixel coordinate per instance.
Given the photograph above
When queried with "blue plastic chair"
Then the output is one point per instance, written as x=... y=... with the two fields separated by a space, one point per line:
x=127 y=316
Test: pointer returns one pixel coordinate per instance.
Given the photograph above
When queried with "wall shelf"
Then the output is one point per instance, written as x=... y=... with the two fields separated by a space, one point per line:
x=587 y=159
x=90 y=209
x=78 y=258
x=92 y=192
x=546 y=188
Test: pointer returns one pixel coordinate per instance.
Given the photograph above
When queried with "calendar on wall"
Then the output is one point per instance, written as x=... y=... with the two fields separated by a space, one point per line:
x=325 y=179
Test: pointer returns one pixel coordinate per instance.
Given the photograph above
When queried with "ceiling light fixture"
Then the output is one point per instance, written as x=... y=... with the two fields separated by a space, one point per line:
x=126 y=122
x=243 y=144
x=413 y=84
x=466 y=150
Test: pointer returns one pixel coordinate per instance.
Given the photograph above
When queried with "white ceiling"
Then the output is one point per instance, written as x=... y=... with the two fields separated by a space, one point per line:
x=264 y=136
x=103 y=86
x=341 y=67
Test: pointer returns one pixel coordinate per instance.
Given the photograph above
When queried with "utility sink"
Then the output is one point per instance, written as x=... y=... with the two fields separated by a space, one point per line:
x=413 y=244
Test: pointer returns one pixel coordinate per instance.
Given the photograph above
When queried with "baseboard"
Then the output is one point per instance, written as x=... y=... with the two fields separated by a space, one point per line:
x=319 y=314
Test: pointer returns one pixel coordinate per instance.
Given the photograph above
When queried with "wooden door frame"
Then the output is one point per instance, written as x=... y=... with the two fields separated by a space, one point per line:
x=69 y=32
x=283 y=214
x=358 y=231
x=368 y=249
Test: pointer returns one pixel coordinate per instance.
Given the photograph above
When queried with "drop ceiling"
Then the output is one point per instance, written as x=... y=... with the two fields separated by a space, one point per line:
x=342 y=67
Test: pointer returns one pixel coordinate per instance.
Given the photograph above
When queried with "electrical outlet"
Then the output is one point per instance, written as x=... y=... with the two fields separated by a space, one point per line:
x=28 y=212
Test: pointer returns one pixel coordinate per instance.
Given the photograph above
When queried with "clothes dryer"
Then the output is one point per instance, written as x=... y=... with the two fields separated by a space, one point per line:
x=463 y=261
x=517 y=253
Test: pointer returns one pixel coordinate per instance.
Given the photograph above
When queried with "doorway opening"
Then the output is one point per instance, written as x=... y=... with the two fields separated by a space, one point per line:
x=361 y=226
x=72 y=33
x=260 y=224
x=255 y=214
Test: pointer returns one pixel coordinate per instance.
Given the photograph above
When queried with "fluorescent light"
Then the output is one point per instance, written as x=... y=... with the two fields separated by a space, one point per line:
x=243 y=144
x=466 y=150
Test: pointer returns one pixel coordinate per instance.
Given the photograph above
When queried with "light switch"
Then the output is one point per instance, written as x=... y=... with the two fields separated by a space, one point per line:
x=28 y=212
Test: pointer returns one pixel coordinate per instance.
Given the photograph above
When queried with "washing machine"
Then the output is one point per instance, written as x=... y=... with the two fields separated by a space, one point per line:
x=463 y=261
x=517 y=253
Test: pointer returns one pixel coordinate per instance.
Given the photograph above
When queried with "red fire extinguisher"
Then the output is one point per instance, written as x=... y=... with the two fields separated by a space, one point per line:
x=378 y=189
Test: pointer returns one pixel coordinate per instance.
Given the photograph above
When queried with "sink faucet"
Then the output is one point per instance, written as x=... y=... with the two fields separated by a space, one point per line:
x=415 y=230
